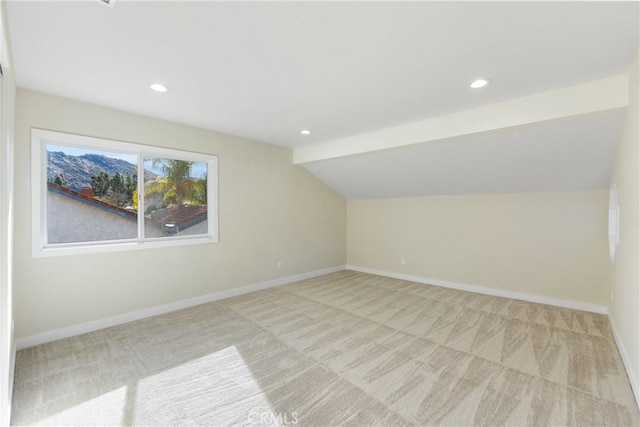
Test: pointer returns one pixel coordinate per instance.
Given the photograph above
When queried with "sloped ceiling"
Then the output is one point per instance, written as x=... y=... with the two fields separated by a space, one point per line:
x=566 y=154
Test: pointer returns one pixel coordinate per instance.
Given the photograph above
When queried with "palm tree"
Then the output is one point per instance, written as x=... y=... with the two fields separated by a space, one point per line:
x=175 y=184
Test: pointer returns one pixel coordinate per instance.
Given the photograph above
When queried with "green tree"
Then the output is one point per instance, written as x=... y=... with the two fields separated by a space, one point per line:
x=117 y=183
x=117 y=189
x=100 y=184
x=130 y=183
x=200 y=192
x=59 y=179
x=117 y=193
x=175 y=185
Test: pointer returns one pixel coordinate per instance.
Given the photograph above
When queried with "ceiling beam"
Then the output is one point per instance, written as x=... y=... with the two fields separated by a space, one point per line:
x=585 y=98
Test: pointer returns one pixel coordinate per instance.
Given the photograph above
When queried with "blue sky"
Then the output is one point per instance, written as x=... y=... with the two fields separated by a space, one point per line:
x=198 y=169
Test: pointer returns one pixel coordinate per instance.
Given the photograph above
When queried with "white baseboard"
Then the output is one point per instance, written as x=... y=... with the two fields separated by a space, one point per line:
x=631 y=373
x=45 y=337
x=601 y=309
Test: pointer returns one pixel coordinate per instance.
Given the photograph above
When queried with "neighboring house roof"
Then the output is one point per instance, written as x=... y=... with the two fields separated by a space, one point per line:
x=178 y=218
x=171 y=220
x=86 y=197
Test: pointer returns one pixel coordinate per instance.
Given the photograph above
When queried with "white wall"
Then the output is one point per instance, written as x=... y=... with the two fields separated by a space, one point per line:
x=270 y=211
x=7 y=350
x=551 y=244
x=624 y=298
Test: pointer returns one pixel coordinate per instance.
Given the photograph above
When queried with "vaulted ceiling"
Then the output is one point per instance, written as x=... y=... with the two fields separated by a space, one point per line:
x=383 y=86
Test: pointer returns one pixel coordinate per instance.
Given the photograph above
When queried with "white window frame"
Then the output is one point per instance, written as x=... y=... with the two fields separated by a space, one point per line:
x=40 y=247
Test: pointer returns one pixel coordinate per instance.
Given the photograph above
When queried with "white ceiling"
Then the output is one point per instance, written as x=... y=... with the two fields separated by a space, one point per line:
x=574 y=153
x=266 y=70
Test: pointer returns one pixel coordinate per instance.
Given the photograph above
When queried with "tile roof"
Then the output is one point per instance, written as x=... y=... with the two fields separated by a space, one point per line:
x=177 y=218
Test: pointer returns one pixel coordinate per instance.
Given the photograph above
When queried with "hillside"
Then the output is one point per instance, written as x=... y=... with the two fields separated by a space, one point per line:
x=78 y=169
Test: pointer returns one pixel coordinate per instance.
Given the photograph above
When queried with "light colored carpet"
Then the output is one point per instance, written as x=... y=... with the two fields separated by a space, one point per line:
x=346 y=348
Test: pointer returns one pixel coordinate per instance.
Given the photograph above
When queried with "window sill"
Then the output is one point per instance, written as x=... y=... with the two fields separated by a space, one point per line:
x=85 y=248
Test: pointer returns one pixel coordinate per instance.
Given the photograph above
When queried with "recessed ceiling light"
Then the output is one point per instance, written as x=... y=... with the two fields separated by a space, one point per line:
x=305 y=132
x=477 y=84
x=158 y=87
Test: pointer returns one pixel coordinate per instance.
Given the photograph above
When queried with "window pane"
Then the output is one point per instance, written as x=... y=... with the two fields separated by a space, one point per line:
x=90 y=195
x=175 y=197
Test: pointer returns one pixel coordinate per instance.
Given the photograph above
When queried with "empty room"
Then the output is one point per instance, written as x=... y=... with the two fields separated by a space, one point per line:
x=319 y=213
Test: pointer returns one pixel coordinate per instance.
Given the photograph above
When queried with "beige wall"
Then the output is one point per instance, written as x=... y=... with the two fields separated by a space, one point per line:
x=270 y=211
x=624 y=298
x=551 y=244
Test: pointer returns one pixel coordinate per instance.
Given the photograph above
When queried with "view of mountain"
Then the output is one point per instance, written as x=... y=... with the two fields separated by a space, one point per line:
x=78 y=170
